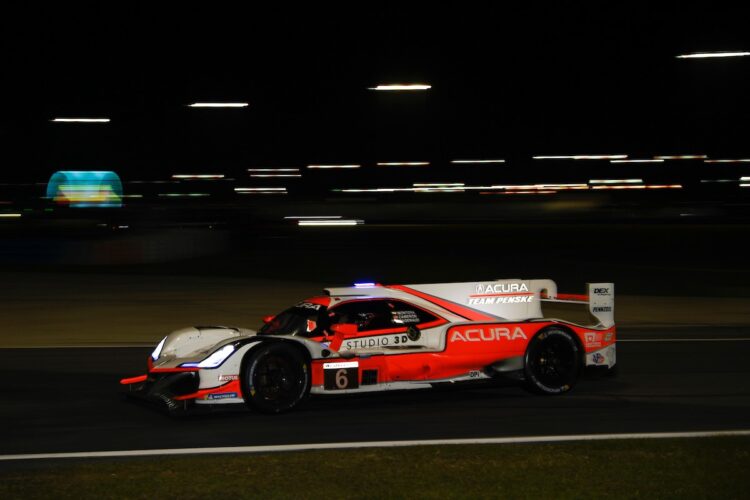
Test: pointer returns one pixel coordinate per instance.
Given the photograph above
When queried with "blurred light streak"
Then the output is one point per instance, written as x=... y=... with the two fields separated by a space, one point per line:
x=646 y=160
x=218 y=105
x=738 y=160
x=132 y=196
x=313 y=217
x=706 y=181
x=708 y=55
x=642 y=186
x=529 y=192
x=275 y=175
x=402 y=86
x=273 y=170
x=402 y=163
x=681 y=157
x=438 y=184
x=581 y=157
x=615 y=181
x=260 y=190
x=477 y=161
x=333 y=166
x=745 y=178
x=340 y=222
x=10 y=216
x=198 y=176
x=183 y=195
x=81 y=120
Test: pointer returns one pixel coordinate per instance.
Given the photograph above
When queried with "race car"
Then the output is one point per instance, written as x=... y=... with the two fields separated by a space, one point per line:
x=371 y=337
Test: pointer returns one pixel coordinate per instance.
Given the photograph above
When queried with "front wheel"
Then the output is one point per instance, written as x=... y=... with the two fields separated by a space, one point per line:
x=552 y=362
x=276 y=378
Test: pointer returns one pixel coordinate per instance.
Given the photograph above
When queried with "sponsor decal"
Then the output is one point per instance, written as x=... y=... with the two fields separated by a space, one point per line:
x=501 y=288
x=341 y=375
x=490 y=334
x=597 y=358
x=311 y=325
x=604 y=309
x=379 y=341
x=601 y=291
x=344 y=364
x=226 y=378
x=222 y=395
x=478 y=301
x=405 y=317
x=608 y=337
x=308 y=305
x=592 y=339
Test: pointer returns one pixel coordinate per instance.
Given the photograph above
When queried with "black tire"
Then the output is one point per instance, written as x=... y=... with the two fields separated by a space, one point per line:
x=552 y=362
x=275 y=378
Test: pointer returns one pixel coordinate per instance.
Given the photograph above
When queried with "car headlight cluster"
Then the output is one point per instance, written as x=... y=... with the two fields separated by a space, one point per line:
x=157 y=352
x=217 y=357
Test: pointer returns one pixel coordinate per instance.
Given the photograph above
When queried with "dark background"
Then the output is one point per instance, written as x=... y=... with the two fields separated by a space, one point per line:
x=509 y=81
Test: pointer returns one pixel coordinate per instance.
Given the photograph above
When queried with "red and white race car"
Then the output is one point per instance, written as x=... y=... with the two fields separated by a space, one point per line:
x=372 y=337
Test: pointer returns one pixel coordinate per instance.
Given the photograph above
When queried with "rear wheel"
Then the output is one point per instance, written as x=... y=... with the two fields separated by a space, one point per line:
x=276 y=378
x=552 y=362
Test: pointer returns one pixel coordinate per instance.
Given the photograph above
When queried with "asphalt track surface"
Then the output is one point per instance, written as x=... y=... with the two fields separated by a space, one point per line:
x=689 y=379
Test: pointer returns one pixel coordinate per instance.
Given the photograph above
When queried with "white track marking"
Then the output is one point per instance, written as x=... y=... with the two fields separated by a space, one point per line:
x=375 y=444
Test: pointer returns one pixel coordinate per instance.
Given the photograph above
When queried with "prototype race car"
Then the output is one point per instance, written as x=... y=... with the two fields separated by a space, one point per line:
x=371 y=337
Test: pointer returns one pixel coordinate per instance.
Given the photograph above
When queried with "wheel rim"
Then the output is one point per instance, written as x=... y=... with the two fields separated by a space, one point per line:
x=554 y=362
x=275 y=380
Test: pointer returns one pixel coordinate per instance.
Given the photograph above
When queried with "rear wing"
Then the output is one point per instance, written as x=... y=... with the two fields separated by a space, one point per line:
x=600 y=298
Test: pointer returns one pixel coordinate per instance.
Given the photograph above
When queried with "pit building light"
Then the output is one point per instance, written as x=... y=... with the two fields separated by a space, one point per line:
x=616 y=181
x=218 y=105
x=198 y=176
x=401 y=87
x=80 y=120
x=709 y=55
x=639 y=160
x=681 y=157
x=402 y=163
x=581 y=157
x=330 y=222
x=476 y=161
x=328 y=167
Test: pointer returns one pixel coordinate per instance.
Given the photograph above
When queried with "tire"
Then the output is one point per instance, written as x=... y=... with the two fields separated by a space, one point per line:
x=275 y=378
x=552 y=362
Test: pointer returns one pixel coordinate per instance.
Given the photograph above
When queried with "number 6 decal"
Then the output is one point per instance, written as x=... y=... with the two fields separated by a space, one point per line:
x=341 y=376
x=341 y=380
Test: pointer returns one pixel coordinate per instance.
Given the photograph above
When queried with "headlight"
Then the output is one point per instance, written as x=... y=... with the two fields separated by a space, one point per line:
x=217 y=357
x=157 y=352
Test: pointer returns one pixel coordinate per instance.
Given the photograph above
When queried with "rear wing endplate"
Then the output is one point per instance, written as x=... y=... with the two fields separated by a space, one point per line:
x=600 y=298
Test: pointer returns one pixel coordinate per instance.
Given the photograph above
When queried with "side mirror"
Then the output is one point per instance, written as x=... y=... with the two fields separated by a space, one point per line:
x=344 y=329
x=268 y=319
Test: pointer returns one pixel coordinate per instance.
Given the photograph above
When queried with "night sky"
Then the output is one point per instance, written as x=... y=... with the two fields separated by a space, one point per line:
x=508 y=82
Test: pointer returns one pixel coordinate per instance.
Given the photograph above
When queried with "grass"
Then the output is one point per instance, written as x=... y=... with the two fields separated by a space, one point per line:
x=694 y=468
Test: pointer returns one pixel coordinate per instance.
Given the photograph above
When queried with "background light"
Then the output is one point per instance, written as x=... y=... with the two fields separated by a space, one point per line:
x=218 y=105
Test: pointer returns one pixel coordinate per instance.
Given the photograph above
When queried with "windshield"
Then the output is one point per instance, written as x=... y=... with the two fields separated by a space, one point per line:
x=305 y=319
